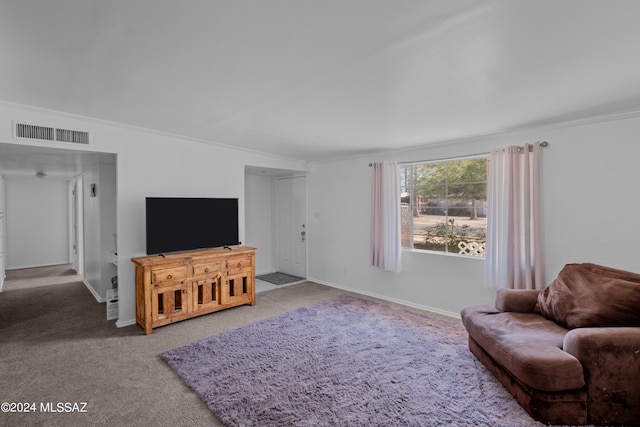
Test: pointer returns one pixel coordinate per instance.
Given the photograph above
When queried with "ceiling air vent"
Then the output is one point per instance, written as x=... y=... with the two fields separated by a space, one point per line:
x=45 y=133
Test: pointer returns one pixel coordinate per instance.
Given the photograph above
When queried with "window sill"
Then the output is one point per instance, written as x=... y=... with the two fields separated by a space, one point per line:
x=438 y=253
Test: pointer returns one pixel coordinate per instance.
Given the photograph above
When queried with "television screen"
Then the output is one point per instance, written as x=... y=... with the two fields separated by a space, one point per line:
x=182 y=223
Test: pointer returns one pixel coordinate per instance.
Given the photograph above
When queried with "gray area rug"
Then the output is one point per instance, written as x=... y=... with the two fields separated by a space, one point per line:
x=345 y=362
x=279 y=278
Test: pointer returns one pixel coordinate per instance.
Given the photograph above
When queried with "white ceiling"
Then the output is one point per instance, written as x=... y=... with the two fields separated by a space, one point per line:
x=320 y=79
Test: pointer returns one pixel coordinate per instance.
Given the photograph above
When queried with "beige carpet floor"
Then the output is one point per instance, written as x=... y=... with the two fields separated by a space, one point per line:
x=39 y=276
x=56 y=346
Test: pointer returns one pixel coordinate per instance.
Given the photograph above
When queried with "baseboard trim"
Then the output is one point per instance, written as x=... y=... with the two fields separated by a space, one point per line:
x=262 y=273
x=93 y=292
x=23 y=267
x=386 y=298
x=123 y=323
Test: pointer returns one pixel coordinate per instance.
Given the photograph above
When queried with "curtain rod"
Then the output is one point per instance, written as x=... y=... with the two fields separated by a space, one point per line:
x=541 y=144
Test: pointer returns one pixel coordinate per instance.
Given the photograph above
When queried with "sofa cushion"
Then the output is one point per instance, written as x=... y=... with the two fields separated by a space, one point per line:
x=520 y=300
x=527 y=345
x=589 y=295
x=611 y=272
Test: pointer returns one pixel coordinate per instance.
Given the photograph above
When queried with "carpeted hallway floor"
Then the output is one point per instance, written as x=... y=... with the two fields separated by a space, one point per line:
x=57 y=346
x=39 y=276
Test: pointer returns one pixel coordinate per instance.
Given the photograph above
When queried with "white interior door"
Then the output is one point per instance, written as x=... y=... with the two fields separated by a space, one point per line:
x=292 y=214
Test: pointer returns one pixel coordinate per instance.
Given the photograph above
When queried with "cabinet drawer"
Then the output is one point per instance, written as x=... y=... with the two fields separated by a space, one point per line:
x=238 y=263
x=205 y=268
x=166 y=274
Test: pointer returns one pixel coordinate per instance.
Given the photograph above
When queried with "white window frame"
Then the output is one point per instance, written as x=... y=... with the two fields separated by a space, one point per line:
x=410 y=189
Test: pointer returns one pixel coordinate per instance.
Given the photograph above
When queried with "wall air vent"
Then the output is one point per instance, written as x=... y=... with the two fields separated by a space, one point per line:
x=75 y=136
x=34 y=132
x=45 y=133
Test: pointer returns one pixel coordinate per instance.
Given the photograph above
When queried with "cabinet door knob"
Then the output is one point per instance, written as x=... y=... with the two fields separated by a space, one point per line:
x=239 y=264
x=206 y=270
x=169 y=276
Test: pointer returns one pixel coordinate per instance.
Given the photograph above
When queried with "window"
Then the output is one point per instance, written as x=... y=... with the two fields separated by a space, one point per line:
x=444 y=205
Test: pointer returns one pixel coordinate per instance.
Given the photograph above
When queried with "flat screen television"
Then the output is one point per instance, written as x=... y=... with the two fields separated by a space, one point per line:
x=186 y=223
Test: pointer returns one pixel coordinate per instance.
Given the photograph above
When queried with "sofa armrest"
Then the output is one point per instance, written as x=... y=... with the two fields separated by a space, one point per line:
x=610 y=358
x=518 y=300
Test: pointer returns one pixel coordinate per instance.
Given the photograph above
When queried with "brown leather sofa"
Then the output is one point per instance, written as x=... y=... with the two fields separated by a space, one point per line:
x=569 y=354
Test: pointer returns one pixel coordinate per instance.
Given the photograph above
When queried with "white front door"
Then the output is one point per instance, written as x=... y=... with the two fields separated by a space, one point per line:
x=292 y=214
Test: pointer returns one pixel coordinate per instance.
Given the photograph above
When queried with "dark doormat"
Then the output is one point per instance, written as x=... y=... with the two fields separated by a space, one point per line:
x=279 y=278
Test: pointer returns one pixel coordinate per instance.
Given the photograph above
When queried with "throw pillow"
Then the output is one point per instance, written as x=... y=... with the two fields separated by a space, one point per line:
x=588 y=295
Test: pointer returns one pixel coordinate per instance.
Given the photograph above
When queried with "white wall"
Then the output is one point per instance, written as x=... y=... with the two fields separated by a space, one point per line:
x=99 y=228
x=259 y=220
x=92 y=254
x=36 y=222
x=151 y=164
x=590 y=213
x=107 y=194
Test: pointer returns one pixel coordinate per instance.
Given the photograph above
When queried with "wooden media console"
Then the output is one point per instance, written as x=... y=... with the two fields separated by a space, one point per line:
x=181 y=285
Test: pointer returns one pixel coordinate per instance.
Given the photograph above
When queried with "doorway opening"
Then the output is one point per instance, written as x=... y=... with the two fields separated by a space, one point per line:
x=63 y=231
x=275 y=223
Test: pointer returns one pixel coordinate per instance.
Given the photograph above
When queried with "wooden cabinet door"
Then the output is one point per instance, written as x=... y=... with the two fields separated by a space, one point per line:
x=206 y=295
x=170 y=302
x=237 y=288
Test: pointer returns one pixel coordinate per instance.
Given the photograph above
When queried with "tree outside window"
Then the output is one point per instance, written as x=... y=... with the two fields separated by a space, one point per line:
x=444 y=205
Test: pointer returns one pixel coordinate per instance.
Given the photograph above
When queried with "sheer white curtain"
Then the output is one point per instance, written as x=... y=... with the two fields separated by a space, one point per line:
x=385 y=216
x=514 y=257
